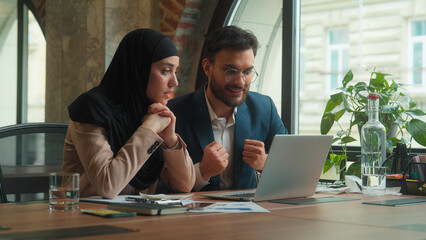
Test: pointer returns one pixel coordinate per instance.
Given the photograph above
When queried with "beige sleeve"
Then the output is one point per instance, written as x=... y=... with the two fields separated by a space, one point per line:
x=109 y=175
x=178 y=172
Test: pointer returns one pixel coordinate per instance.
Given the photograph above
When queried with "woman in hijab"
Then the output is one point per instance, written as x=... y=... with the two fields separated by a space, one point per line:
x=121 y=136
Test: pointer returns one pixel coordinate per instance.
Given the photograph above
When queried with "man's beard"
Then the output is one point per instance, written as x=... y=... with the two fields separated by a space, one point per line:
x=221 y=95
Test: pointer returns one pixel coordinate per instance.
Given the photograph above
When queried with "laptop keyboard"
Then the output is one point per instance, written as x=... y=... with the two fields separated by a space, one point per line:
x=245 y=195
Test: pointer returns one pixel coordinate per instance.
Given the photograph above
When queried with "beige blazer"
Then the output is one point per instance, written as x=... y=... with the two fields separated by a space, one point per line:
x=87 y=152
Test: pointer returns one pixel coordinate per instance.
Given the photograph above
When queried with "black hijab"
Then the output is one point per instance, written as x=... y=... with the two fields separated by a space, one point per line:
x=119 y=102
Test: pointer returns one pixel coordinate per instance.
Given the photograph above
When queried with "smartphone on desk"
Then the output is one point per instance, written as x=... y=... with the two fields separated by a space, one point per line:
x=199 y=205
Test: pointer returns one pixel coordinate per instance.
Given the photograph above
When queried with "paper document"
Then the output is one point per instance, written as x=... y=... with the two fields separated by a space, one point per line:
x=98 y=199
x=327 y=189
x=164 y=196
x=230 y=207
x=125 y=198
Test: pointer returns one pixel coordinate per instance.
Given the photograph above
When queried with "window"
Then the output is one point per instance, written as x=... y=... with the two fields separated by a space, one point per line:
x=338 y=55
x=22 y=64
x=266 y=23
x=8 y=61
x=332 y=37
x=418 y=51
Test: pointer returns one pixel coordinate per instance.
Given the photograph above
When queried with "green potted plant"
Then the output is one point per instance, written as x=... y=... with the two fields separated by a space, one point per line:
x=398 y=113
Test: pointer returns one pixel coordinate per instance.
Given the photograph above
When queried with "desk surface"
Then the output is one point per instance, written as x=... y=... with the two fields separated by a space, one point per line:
x=335 y=220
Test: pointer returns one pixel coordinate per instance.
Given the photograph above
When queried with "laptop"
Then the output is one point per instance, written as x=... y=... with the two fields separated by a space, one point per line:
x=292 y=169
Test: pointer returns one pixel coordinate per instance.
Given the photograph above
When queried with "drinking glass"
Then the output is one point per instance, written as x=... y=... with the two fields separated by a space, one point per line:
x=64 y=191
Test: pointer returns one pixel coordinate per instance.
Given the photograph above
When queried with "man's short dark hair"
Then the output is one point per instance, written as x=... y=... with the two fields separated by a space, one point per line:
x=230 y=37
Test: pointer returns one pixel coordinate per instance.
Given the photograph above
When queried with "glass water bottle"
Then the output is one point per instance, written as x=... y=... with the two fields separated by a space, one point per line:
x=373 y=151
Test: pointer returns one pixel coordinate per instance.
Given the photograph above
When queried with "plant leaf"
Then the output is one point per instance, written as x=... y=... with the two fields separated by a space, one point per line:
x=412 y=104
x=348 y=77
x=327 y=166
x=360 y=86
x=334 y=101
x=405 y=140
x=347 y=139
x=335 y=159
x=354 y=169
x=327 y=122
x=378 y=80
x=339 y=114
x=388 y=109
x=416 y=112
x=417 y=129
x=389 y=145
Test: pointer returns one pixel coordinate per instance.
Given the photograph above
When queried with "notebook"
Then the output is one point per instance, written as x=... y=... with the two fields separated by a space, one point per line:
x=148 y=208
x=292 y=169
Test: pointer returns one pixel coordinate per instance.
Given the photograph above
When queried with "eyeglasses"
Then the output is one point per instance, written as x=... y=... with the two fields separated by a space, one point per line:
x=232 y=74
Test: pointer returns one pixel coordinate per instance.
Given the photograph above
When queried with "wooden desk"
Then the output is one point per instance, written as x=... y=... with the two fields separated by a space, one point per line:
x=336 y=220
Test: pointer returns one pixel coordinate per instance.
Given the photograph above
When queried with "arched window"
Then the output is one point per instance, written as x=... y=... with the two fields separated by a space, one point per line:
x=22 y=62
x=266 y=23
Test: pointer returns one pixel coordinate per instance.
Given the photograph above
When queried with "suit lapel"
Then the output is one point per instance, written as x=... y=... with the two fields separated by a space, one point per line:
x=202 y=122
x=242 y=171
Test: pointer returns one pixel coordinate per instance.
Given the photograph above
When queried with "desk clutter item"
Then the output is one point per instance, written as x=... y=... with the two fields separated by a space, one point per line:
x=148 y=208
x=414 y=176
x=396 y=164
x=303 y=201
x=398 y=202
x=281 y=176
x=373 y=150
x=66 y=232
x=64 y=191
x=107 y=213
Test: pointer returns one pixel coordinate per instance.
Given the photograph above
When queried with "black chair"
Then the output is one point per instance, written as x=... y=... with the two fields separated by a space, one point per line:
x=28 y=152
x=3 y=198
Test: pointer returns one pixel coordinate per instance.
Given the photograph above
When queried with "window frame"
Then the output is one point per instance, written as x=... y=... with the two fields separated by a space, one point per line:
x=22 y=66
x=290 y=65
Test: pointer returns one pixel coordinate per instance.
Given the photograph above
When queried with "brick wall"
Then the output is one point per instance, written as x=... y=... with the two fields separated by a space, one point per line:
x=170 y=12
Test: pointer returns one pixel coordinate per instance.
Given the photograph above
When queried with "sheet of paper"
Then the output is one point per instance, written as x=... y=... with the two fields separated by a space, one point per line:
x=164 y=196
x=231 y=207
x=354 y=183
x=118 y=199
x=327 y=189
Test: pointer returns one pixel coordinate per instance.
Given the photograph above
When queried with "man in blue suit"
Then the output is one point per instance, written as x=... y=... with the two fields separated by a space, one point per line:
x=228 y=130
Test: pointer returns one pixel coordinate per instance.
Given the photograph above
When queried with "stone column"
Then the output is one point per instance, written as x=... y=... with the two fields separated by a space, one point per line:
x=122 y=17
x=75 y=37
x=81 y=38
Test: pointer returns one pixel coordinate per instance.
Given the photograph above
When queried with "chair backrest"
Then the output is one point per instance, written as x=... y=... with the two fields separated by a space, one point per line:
x=28 y=152
x=3 y=198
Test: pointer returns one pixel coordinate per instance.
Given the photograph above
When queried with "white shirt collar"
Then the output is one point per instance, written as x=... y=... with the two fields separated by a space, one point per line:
x=213 y=115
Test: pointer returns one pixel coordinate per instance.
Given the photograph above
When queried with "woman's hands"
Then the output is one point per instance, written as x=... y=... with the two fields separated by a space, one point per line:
x=162 y=121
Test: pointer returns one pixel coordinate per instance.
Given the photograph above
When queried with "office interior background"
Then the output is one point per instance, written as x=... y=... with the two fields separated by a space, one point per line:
x=51 y=51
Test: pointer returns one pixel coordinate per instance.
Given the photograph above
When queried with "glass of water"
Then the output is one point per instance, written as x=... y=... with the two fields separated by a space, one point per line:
x=64 y=191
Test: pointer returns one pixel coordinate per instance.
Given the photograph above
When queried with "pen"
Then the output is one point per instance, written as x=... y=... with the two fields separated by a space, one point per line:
x=161 y=202
x=169 y=202
x=136 y=199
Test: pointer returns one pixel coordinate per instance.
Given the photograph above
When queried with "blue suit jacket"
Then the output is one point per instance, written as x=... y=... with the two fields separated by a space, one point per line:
x=256 y=118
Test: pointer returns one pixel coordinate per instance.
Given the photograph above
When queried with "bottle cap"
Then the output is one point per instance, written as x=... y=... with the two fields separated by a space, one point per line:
x=373 y=96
